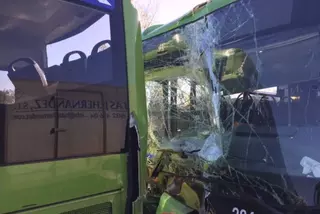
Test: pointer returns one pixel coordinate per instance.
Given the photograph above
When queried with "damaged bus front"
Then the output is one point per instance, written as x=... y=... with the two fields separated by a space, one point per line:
x=233 y=93
x=68 y=69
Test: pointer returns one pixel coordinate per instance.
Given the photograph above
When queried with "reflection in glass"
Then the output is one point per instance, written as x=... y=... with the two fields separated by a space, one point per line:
x=58 y=83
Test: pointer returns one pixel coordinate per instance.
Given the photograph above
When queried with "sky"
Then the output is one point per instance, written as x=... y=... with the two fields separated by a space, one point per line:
x=168 y=10
x=172 y=9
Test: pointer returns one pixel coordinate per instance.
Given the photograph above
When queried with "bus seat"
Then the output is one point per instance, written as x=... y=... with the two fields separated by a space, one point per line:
x=280 y=113
x=243 y=105
x=31 y=71
x=72 y=71
x=100 y=64
x=256 y=142
x=248 y=148
x=52 y=73
x=30 y=79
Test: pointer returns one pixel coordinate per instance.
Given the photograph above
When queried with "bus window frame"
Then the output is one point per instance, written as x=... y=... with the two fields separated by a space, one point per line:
x=118 y=38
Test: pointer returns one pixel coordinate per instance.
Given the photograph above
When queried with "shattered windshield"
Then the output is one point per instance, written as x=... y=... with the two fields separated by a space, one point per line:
x=239 y=92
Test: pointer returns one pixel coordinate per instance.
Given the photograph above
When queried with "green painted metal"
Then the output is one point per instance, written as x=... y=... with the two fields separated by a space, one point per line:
x=167 y=72
x=170 y=205
x=115 y=198
x=151 y=28
x=137 y=93
x=29 y=186
x=40 y=184
x=189 y=17
x=178 y=71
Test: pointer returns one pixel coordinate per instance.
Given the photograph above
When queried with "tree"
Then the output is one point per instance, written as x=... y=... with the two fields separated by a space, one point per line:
x=7 y=96
x=147 y=10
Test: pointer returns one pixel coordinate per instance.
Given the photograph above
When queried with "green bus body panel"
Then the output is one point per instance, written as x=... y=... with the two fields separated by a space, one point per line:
x=137 y=91
x=33 y=185
x=191 y=16
x=169 y=204
x=59 y=186
x=166 y=72
x=114 y=198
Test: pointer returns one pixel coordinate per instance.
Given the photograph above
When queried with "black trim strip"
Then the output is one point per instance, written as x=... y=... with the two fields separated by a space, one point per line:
x=3 y=133
x=67 y=201
x=132 y=138
x=61 y=159
x=85 y=4
x=56 y=124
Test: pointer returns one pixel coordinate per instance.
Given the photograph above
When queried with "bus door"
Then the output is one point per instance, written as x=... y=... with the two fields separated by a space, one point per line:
x=64 y=107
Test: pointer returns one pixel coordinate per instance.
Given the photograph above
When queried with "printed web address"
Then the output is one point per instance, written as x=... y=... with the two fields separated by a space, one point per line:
x=68 y=115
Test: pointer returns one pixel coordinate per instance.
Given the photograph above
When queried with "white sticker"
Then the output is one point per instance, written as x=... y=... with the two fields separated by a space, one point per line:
x=106 y=4
x=236 y=210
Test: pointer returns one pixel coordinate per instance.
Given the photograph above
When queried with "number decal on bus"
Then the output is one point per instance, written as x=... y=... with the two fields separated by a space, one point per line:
x=236 y=210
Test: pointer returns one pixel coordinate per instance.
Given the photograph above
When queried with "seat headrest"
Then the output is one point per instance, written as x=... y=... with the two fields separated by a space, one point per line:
x=30 y=72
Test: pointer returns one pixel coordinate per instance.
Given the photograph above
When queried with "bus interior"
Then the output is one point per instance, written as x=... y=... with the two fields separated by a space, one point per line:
x=30 y=44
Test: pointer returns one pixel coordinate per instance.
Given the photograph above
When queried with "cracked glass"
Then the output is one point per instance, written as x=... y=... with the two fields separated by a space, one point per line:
x=239 y=92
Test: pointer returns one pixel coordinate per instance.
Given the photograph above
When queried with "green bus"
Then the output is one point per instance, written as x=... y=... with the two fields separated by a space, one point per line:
x=233 y=96
x=73 y=121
